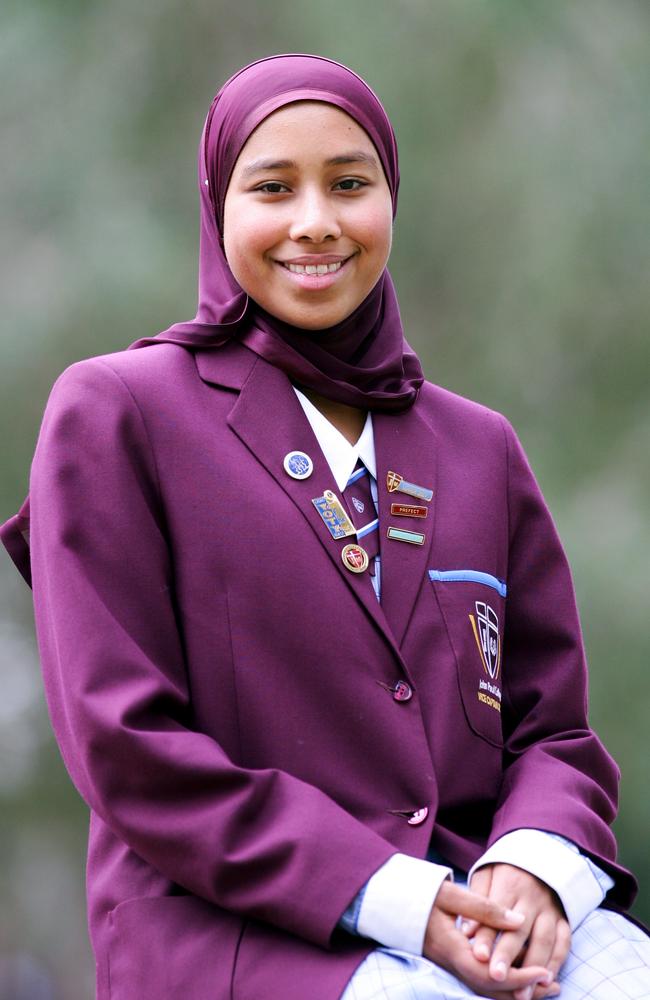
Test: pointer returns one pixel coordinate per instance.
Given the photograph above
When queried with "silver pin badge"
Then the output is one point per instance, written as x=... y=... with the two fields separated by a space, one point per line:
x=403 y=535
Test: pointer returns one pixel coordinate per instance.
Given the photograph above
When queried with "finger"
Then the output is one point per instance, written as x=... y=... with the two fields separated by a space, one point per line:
x=454 y=900
x=541 y=940
x=538 y=992
x=483 y=943
x=505 y=952
x=561 y=947
x=476 y=975
x=542 y=992
x=449 y=948
x=556 y=960
x=481 y=883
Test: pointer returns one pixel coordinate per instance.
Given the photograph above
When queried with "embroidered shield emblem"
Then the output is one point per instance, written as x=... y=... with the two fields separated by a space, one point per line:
x=486 y=632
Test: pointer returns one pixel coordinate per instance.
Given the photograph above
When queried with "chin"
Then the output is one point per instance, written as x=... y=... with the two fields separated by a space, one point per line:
x=316 y=320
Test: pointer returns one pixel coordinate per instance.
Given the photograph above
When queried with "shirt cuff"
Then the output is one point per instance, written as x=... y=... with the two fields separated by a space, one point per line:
x=396 y=902
x=580 y=884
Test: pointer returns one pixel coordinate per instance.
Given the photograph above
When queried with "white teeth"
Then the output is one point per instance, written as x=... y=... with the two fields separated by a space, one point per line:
x=314 y=268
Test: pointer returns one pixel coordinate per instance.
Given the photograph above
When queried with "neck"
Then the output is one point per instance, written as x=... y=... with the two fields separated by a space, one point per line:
x=349 y=420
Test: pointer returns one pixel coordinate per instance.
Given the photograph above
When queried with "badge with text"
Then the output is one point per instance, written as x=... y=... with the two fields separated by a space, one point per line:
x=486 y=632
x=403 y=535
x=395 y=482
x=298 y=465
x=408 y=510
x=334 y=515
x=355 y=558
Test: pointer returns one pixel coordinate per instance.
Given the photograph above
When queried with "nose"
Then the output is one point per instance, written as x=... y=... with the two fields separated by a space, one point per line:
x=315 y=219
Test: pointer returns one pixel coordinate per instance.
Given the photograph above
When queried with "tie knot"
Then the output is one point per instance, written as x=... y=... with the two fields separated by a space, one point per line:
x=359 y=472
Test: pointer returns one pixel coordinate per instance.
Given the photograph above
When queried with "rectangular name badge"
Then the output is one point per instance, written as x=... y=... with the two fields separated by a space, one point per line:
x=395 y=482
x=408 y=510
x=333 y=515
x=402 y=535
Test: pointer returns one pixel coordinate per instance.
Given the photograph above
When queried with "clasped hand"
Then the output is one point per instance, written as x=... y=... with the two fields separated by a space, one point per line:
x=513 y=939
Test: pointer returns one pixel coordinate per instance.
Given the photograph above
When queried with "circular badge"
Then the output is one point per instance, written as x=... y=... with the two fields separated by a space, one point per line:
x=298 y=465
x=355 y=558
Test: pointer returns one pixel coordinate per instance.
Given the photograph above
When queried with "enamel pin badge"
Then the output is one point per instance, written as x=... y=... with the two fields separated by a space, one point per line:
x=333 y=515
x=395 y=482
x=408 y=510
x=298 y=465
x=403 y=535
x=355 y=558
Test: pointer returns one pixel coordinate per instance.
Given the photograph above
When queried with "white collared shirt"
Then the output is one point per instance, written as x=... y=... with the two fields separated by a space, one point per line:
x=396 y=901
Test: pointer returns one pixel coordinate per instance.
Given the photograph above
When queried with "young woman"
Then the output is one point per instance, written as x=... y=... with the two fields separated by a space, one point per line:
x=308 y=635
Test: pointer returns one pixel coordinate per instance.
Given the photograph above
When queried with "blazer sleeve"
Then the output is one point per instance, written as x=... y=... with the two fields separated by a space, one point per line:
x=557 y=775
x=260 y=843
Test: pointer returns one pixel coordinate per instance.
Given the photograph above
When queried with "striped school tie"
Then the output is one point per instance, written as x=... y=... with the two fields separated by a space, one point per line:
x=359 y=502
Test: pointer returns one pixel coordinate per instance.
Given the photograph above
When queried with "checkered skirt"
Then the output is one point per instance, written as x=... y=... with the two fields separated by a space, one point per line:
x=609 y=960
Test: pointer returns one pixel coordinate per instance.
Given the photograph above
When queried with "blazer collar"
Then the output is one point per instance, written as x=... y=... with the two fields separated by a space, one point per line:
x=269 y=419
x=228 y=366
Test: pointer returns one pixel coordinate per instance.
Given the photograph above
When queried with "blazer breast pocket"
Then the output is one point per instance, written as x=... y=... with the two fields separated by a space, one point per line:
x=472 y=604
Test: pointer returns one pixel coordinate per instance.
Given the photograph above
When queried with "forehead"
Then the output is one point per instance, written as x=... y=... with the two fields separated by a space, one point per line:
x=306 y=127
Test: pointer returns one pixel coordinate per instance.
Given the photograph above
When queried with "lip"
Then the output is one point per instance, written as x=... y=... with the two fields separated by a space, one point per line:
x=316 y=258
x=315 y=282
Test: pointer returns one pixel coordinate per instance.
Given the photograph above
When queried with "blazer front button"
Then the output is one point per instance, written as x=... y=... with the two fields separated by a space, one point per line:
x=402 y=691
x=418 y=817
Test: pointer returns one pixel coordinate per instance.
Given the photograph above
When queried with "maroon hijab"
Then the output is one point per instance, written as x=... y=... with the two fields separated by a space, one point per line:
x=364 y=360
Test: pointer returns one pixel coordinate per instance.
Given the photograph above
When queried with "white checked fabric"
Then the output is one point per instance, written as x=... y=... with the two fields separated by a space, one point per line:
x=609 y=960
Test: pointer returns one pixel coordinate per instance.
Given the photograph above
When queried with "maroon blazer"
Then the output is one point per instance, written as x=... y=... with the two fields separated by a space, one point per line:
x=223 y=689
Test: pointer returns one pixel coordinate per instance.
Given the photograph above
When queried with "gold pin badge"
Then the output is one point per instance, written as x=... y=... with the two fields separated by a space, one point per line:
x=355 y=558
x=395 y=482
x=333 y=515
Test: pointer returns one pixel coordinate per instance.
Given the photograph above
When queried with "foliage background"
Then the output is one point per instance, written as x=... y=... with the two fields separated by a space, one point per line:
x=521 y=260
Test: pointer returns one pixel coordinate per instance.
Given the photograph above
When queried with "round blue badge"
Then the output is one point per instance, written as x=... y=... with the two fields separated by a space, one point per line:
x=298 y=465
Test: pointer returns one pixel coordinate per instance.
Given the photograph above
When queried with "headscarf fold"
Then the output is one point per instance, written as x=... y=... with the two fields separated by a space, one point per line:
x=363 y=361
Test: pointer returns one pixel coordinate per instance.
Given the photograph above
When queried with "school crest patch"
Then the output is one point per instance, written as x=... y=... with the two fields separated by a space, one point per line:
x=485 y=626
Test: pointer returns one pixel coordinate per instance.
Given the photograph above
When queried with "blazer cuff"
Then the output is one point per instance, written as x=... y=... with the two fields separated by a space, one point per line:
x=396 y=902
x=579 y=883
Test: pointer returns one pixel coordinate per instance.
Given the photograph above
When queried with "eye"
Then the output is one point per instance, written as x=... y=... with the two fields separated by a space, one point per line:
x=347 y=182
x=272 y=187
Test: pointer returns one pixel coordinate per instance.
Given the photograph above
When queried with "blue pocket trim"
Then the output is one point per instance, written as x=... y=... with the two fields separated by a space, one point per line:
x=468 y=576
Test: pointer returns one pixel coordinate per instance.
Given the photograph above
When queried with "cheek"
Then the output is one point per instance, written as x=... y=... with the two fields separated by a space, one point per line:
x=247 y=236
x=375 y=230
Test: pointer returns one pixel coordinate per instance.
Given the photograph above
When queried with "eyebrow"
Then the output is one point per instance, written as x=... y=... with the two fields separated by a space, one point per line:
x=355 y=156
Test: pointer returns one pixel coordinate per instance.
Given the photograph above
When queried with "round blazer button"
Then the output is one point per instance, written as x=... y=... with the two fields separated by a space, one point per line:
x=418 y=817
x=402 y=691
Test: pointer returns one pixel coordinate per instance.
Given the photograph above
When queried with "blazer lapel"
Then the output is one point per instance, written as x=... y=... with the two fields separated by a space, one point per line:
x=269 y=420
x=406 y=444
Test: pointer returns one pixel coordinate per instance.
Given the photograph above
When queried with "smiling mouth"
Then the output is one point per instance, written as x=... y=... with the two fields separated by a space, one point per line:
x=318 y=269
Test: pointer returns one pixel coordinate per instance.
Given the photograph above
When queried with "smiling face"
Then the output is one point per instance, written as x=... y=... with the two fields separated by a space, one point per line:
x=308 y=215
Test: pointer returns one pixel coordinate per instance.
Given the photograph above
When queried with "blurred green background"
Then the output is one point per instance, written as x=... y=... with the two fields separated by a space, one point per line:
x=521 y=261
